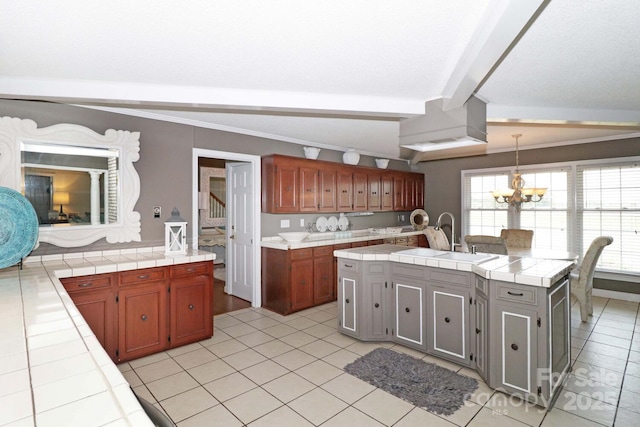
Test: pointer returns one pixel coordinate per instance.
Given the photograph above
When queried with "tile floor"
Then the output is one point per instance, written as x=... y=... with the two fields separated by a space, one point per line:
x=263 y=369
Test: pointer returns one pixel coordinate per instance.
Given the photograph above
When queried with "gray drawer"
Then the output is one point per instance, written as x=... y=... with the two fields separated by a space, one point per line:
x=520 y=294
x=346 y=265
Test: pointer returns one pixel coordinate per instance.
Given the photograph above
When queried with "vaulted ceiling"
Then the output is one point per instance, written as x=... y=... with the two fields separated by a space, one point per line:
x=336 y=74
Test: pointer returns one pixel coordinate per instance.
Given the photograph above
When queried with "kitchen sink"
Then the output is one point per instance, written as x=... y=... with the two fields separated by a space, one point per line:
x=467 y=257
x=422 y=252
x=446 y=255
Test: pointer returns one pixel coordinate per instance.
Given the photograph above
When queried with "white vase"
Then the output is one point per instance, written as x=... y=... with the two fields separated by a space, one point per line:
x=351 y=157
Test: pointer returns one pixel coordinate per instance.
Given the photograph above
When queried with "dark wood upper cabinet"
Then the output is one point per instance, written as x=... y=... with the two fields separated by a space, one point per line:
x=293 y=184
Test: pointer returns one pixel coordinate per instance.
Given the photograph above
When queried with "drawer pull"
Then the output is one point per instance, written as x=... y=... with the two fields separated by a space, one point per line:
x=190 y=306
x=514 y=347
x=347 y=300
x=478 y=331
x=84 y=285
x=515 y=294
x=407 y=310
x=190 y=270
x=376 y=305
x=143 y=317
x=349 y=265
x=143 y=276
x=447 y=320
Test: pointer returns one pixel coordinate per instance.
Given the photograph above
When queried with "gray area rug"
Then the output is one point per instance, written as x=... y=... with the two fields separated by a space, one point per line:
x=423 y=384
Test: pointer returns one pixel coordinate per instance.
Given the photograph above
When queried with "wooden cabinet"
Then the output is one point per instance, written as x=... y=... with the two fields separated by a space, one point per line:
x=345 y=190
x=323 y=275
x=293 y=184
x=280 y=186
x=95 y=299
x=301 y=284
x=140 y=312
x=360 y=185
x=317 y=190
x=142 y=320
x=191 y=311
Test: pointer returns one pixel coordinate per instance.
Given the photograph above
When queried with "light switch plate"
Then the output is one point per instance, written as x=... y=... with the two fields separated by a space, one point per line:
x=284 y=223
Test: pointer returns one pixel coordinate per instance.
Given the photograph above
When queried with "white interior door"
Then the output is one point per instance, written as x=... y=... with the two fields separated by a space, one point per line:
x=240 y=230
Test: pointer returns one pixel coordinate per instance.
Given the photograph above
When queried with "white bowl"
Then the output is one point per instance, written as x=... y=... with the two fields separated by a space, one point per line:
x=294 y=236
x=382 y=163
x=311 y=152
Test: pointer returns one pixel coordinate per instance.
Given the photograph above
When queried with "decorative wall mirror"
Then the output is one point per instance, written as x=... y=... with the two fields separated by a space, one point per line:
x=213 y=197
x=83 y=185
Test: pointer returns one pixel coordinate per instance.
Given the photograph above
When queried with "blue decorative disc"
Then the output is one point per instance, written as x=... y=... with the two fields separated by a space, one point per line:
x=18 y=227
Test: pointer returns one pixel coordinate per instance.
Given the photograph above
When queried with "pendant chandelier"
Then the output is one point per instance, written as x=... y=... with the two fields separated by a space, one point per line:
x=518 y=194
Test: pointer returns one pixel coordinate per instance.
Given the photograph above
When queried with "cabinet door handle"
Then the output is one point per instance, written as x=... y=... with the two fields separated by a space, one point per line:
x=446 y=319
x=349 y=265
x=515 y=294
x=407 y=310
x=143 y=317
x=191 y=270
x=143 y=276
x=376 y=305
x=190 y=306
x=347 y=300
x=84 y=285
x=514 y=347
x=478 y=331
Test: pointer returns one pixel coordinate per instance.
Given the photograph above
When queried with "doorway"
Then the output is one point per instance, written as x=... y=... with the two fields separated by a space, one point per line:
x=240 y=270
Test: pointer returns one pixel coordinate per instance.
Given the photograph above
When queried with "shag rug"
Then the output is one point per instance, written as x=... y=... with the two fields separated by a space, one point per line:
x=423 y=384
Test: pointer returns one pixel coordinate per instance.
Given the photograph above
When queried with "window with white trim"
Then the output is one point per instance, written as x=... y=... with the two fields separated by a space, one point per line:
x=583 y=200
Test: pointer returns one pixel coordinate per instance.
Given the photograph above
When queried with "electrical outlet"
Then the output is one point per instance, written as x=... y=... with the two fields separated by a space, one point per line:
x=301 y=222
x=284 y=223
x=157 y=211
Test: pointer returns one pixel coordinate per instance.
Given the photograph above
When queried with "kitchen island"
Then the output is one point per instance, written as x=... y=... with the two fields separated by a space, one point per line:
x=54 y=371
x=506 y=317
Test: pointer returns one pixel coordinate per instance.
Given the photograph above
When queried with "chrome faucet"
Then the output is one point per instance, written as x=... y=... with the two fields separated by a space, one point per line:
x=453 y=228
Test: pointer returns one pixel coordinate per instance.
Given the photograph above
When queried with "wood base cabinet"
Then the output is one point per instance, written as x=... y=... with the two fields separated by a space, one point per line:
x=140 y=312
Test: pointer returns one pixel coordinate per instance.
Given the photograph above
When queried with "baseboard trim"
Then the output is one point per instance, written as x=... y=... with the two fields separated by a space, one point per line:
x=624 y=296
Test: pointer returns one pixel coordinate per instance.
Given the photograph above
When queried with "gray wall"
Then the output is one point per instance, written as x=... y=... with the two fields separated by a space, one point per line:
x=165 y=164
x=443 y=179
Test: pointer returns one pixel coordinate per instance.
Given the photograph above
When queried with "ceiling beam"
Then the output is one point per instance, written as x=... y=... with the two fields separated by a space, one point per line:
x=501 y=26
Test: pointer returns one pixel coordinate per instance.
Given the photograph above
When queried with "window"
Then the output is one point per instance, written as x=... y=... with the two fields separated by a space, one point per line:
x=583 y=200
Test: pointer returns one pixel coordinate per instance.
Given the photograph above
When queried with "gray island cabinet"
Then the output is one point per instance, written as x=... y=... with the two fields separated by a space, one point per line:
x=516 y=336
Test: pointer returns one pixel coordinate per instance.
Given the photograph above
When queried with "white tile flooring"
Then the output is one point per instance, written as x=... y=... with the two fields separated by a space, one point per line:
x=263 y=369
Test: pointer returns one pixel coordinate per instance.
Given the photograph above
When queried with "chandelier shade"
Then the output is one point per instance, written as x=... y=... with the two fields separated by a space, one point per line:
x=518 y=193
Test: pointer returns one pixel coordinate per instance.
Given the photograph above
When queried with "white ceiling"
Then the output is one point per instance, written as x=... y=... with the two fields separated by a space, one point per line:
x=335 y=73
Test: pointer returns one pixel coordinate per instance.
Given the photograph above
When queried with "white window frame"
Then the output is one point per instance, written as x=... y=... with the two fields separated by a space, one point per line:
x=574 y=234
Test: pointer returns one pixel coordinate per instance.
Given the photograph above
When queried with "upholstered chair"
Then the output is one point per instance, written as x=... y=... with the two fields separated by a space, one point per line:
x=437 y=239
x=582 y=277
x=517 y=238
x=486 y=244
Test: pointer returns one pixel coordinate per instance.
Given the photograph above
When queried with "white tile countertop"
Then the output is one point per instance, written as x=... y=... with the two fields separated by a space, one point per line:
x=53 y=370
x=512 y=269
x=334 y=238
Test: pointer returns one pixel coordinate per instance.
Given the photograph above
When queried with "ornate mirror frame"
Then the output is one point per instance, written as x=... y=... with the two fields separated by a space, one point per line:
x=13 y=131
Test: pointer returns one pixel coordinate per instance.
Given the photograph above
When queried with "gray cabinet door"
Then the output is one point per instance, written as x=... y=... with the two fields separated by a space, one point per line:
x=481 y=336
x=347 y=292
x=449 y=323
x=517 y=349
x=409 y=313
x=559 y=330
x=375 y=317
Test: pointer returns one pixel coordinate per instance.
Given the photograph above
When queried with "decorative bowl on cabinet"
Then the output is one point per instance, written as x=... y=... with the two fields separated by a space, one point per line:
x=311 y=152
x=294 y=236
x=351 y=157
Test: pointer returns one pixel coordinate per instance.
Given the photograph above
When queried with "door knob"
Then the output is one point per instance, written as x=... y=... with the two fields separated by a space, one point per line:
x=233 y=236
x=143 y=317
x=446 y=319
x=190 y=306
x=376 y=305
x=514 y=347
x=407 y=309
x=347 y=300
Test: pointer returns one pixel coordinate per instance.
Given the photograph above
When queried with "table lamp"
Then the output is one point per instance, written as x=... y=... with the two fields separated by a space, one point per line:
x=61 y=198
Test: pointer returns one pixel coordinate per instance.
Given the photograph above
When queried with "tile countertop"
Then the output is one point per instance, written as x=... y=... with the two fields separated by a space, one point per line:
x=53 y=370
x=330 y=238
x=512 y=269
